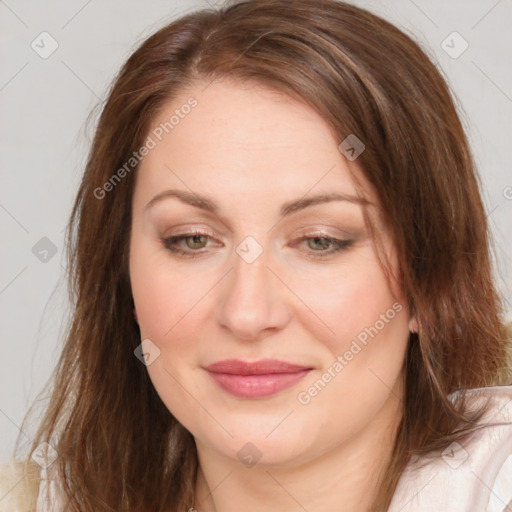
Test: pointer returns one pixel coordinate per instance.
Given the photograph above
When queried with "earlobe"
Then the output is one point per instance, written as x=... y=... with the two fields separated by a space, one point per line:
x=413 y=325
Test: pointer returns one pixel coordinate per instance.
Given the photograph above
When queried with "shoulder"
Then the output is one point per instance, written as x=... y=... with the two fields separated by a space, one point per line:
x=19 y=486
x=473 y=476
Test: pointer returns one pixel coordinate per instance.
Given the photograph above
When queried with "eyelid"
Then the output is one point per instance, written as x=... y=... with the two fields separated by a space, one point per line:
x=189 y=230
x=303 y=232
x=324 y=232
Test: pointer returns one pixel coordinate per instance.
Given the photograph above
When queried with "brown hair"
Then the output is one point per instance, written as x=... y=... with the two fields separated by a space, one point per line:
x=119 y=447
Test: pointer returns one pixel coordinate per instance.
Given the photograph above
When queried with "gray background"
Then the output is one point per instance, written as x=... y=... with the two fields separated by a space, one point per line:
x=44 y=138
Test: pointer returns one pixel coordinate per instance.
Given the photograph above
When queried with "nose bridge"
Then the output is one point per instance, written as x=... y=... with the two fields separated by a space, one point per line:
x=251 y=300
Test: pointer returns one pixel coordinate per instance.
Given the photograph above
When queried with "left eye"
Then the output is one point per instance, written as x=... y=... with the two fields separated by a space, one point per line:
x=323 y=243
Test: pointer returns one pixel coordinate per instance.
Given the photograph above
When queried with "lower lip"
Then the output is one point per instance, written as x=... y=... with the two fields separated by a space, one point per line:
x=257 y=386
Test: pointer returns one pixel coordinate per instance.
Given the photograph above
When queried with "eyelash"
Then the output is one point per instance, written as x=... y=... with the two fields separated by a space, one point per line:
x=339 y=245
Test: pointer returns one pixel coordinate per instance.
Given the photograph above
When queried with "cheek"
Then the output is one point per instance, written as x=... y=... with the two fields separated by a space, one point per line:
x=163 y=296
x=349 y=301
x=166 y=303
x=365 y=351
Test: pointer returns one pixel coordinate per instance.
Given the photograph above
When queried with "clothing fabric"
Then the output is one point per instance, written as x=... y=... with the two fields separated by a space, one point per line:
x=473 y=477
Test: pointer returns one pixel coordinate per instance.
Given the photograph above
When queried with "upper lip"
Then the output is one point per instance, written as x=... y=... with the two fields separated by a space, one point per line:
x=261 y=367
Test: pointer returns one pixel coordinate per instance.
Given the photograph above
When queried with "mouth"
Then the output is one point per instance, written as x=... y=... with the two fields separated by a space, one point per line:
x=258 y=379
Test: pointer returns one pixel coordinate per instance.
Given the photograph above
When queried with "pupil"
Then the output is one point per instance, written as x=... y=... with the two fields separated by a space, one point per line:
x=196 y=239
x=317 y=239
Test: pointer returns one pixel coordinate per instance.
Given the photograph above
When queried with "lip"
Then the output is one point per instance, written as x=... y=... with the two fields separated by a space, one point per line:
x=257 y=379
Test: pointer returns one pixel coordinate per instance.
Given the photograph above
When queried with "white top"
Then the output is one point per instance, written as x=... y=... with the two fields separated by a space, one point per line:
x=475 y=477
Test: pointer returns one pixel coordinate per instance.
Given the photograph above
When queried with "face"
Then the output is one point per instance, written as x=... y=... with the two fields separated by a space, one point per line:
x=230 y=260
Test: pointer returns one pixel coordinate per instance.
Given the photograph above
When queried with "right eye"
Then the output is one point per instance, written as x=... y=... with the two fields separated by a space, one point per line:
x=194 y=242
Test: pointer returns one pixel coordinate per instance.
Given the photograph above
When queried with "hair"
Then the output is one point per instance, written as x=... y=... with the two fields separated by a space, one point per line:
x=119 y=448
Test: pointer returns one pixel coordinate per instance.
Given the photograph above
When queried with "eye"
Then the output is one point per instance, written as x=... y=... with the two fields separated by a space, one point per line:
x=323 y=246
x=193 y=241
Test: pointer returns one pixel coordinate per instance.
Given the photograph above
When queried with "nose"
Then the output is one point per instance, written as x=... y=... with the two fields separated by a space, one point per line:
x=253 y=301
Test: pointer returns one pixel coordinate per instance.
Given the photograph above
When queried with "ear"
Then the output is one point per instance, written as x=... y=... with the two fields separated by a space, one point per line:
x=413 y=325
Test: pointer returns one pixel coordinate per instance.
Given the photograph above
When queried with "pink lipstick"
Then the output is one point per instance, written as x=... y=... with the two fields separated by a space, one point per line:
x=258 y=379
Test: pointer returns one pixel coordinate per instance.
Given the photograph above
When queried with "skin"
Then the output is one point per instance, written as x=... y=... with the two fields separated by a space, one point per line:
x=251 y=150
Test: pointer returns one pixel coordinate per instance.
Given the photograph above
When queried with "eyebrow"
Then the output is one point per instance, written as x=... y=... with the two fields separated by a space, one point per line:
x=208 y=204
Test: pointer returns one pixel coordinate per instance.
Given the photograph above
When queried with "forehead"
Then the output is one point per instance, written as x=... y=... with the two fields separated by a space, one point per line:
x=244 y=139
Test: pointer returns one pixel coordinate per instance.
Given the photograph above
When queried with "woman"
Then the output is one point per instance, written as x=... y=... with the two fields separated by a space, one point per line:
x=282 y=284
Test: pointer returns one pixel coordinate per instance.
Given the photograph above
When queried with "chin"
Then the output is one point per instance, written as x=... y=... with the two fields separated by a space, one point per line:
x=263 y=443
